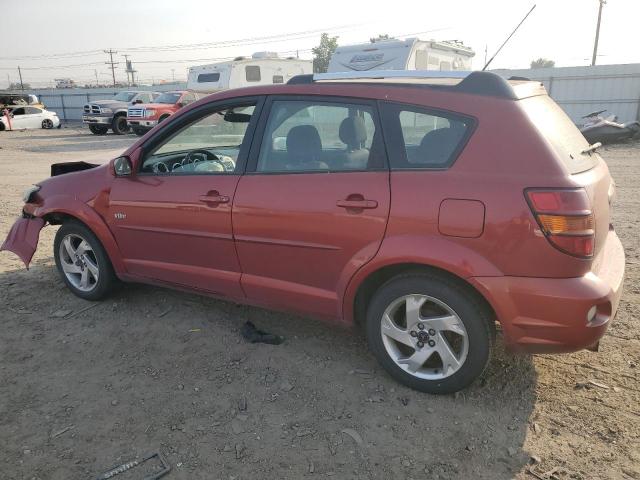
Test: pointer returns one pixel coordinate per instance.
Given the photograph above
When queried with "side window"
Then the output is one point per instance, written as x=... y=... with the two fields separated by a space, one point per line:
x=187 y=98
x=419 y=138
x=252 y=73
x=278 y=79
x=209 y=145
x=208 y=77
x=32 y=110
x=18 y=111
x=305 y=136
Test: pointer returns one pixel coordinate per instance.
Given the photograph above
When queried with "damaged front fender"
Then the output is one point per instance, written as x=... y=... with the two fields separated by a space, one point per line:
x=23 y=238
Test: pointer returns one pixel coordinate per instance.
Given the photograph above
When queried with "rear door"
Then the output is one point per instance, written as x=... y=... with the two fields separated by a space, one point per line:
x=313 y=206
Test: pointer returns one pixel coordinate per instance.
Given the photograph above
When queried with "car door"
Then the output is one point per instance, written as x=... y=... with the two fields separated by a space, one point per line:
x=313 y=205
x=33 y=117
x=19 y=118
x=172 y=218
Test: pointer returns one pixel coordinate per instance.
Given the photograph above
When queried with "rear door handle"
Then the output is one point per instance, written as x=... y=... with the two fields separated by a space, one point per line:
x=357 y=204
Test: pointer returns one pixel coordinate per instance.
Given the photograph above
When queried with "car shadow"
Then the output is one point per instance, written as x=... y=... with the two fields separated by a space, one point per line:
x=153 y=368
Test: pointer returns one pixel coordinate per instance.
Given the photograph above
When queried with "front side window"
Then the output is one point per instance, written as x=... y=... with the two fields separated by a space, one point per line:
x=252 y=73
x=210 y=145
x=124 y=96
x=168 y=97
x=32 y=110
x=307 y=136
x=421 y=138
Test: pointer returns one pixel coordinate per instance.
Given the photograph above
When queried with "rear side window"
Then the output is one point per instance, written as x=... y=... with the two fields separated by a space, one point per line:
x=560 y=131
x=423 y=139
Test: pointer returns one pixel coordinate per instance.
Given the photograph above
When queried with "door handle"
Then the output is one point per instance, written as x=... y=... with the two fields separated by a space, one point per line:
x=213 y=197
x=357 y=204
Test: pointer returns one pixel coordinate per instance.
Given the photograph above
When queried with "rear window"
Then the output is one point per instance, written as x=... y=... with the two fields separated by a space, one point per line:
x=560 y=131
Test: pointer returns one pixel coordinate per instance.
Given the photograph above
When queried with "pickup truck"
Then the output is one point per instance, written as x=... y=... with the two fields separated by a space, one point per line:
x=102 y=115
x=142 y=118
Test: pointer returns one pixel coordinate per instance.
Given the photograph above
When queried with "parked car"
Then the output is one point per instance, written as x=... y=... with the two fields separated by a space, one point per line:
x=102 y=115
x=28 y=117
x=423 y=209
x=143 y=117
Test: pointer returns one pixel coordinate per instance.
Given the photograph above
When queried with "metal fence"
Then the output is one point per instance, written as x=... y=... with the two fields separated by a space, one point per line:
x=69 y=103
x=581 y=90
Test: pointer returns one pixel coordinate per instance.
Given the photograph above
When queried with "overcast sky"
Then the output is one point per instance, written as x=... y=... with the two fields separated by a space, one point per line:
x=74 y=32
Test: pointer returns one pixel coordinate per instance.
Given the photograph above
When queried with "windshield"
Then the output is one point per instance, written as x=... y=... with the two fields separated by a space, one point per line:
x=124 y=96
x=170 y=98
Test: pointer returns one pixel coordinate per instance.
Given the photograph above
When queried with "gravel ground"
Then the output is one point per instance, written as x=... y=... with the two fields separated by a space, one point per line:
x=85 y=386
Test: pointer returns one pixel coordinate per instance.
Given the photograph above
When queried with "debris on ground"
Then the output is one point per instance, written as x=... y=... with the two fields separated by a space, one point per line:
x=253 y=335
x=159 y=470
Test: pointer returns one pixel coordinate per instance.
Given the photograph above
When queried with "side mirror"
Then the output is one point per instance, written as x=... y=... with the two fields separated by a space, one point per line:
x=122 y=166
x=179 y=104
x=136 y=101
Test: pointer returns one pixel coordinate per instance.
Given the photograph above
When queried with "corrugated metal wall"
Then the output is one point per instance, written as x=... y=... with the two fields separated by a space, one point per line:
x=68 y=103
x=581 y=90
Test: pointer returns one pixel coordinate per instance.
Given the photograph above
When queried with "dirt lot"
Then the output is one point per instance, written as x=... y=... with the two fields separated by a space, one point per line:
x=153 y=369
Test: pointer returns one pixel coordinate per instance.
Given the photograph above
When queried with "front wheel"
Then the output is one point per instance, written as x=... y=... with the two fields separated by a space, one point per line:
x=430 y=332
x=47 y=123
x=82 y=262
x=139 y=131
x=98 y=129
x=119 y=125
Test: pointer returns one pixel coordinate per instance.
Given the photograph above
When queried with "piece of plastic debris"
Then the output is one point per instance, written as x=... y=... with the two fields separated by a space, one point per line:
x=162 y=470
x=253 y=335
x=353 y=434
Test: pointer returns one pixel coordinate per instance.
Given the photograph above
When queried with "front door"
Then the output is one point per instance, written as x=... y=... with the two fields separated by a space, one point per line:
x=313 y=205
x=172 y=218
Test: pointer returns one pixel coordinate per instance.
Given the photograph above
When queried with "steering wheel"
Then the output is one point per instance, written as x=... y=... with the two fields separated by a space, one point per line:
x=210 y=157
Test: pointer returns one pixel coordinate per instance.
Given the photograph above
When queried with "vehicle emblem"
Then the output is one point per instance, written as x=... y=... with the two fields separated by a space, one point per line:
x=120 y=215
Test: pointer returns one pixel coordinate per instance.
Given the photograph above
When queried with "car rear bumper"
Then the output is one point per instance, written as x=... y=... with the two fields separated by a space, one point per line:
x=555 y=315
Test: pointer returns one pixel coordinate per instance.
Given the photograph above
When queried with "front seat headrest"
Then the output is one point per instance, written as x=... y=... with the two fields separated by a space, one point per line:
x=304 y=144
x=352 y=132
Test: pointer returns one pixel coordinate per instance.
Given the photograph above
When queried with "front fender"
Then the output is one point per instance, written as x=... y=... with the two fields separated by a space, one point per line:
x=454 y=255
x=23 y=238
x=68 y=205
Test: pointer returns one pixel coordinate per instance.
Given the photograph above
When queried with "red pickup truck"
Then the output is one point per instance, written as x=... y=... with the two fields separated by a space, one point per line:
x=143 y=117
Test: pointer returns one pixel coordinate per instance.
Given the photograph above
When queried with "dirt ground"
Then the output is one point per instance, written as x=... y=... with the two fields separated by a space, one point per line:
x=86 y=386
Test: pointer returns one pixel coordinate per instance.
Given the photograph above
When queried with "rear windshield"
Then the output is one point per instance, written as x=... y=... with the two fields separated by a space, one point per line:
x=561 y=132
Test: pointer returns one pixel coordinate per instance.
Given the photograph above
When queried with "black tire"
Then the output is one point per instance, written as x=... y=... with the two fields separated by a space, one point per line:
x=98 y=129
x=47 y=123
x=139 y=131
x=474 y=315
x=119 y=124
x=2 y=127
x=106 y=276
x=163 y=118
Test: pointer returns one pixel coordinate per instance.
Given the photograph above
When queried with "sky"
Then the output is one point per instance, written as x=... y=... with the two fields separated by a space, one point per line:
x=66 y=38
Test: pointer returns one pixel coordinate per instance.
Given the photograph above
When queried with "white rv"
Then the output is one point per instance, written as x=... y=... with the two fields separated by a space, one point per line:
x=261 y=69
x=410 y=54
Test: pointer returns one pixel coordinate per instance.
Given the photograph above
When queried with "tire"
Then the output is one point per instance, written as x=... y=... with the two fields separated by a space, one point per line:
x=79 y=262
x=47 y=124
x=119 y=125
x=163 y=118
x=454 y=321
x=2 y=127
x=98 y=129
x=139 y=131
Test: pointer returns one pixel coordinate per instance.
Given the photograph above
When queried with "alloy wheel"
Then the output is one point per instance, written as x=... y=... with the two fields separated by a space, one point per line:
x=79 y=262
x=424 y=337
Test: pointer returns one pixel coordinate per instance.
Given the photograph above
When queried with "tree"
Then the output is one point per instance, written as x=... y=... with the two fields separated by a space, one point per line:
x=17 y=86
x=543 y=63
x=322 y=53
x=384 y=36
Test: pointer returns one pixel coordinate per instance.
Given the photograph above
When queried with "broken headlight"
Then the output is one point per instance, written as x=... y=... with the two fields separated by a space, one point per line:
x=26 y=196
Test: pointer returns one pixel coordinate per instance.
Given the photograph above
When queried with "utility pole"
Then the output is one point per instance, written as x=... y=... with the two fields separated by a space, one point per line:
x=126 y=62
x=96 y=74
x=20 y=74
x=113 y=65
x=595 y=44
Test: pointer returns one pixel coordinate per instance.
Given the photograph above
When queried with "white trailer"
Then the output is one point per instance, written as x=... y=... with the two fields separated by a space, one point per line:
x=409 y=54
x=262 y=68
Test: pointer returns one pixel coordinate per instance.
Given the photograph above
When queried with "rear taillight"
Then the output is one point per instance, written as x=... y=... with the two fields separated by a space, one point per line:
x=565 y=217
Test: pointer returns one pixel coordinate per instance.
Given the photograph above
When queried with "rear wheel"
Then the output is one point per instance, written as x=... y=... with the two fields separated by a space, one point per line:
x=47 y=123
x=82 y=262
x=98 y=129
x=119 y=125
x=429 y=332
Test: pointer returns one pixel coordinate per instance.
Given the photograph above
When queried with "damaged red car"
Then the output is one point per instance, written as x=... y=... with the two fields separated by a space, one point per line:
x=425 y=207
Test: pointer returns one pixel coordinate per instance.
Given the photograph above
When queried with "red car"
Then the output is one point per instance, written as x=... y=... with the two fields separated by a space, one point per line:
x=423 y=209
x=143 y=117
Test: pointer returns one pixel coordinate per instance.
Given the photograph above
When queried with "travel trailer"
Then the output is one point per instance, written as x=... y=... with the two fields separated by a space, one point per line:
x=409 y=54
x=261 y=69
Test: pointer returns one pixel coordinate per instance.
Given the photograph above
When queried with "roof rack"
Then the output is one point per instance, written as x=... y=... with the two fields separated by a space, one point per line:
x=476 y=82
